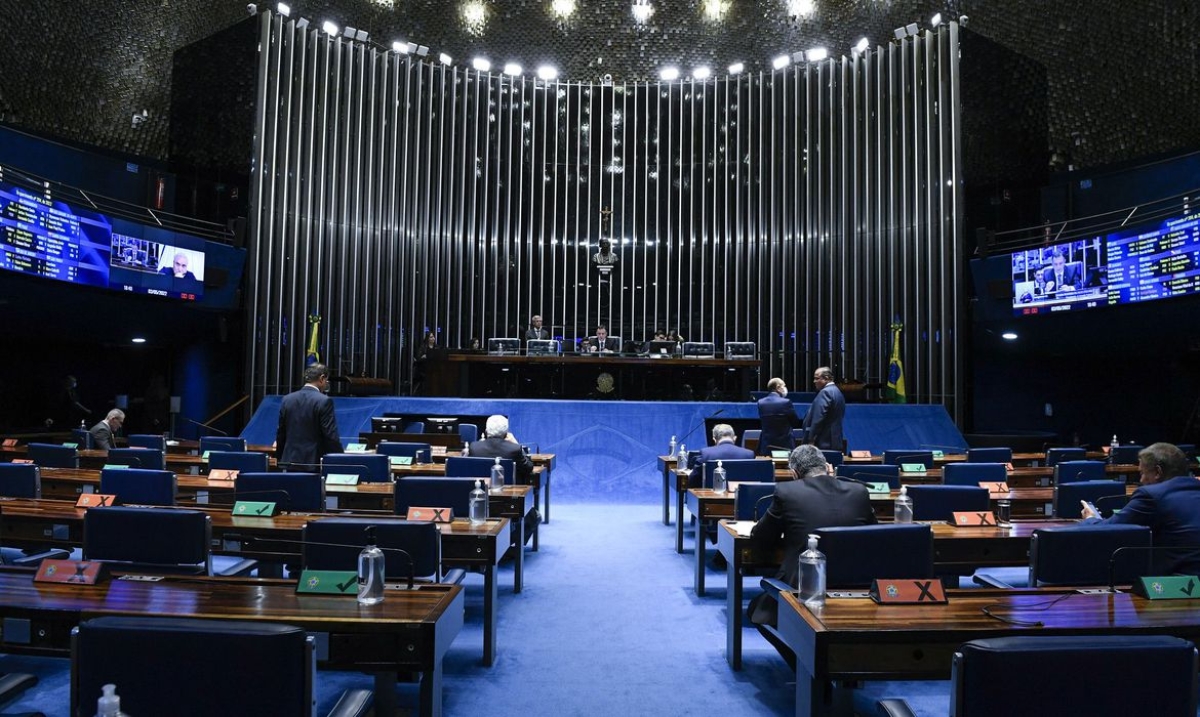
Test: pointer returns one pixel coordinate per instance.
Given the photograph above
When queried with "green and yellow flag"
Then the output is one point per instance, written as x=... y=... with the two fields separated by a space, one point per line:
x=895 y=382
x=314 y=334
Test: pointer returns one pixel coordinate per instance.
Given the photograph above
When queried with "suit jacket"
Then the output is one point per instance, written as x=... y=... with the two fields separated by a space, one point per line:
x=1171 y=509
x=307 y=428
x=778 y=417
x=102 y=436
x=533 y=334
x=1072 y=275
x=824 y=418
x=503 y=448
x=798 y=508
x=610 y=344
x=727 y=451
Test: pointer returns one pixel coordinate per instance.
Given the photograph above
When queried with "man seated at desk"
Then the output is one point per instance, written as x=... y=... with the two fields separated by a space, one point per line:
x=815 y=499
x=104 y=433
x=602 y=343
x=722 y=449
x=497 y=442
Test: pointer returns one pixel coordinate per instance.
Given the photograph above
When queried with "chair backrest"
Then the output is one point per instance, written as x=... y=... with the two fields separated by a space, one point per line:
x=833 y=458
x=1054 y=456
x=742 y=469
x=898 y=456
x=1072 y=471
x=699 y=348
x=222 y=443
x=750 y=434
x=241 y=461
x=477 y=467
x=369 y=467
x=20 y=480
x=1106 y=494
x=139 y=485
x=1083 y=554
x=52 y=455
x=856 y=555
x=989 y=455
x=83 y=437
x=973 y=473
x=940 y=502
x=752 y=500
x=141 y=655
x=293 y=492
x=147 y=440
x=1189 y=449
x=1109 y=676
x=146 y=458
x=156 y=539
x=420 y=539
x=431 y=492
x=871 y=473
x=414 y=427
x=468 y=432
x=405 y=450
x=1127 y=455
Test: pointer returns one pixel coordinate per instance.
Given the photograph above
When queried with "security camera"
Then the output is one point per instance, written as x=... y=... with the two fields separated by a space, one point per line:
x=606 y=79
x=962 y=20
x=251 y=9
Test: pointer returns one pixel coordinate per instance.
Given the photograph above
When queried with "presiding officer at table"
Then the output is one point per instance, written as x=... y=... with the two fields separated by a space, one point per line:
x=307 y=426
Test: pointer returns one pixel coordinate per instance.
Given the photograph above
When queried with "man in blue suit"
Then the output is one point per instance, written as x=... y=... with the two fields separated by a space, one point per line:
x=778 y=417
x=307 y=427
x=722 y=449
x=1169 y=504
x=823 y=422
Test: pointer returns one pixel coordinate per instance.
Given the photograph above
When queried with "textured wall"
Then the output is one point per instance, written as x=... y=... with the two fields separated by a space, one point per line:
x=1123 y=77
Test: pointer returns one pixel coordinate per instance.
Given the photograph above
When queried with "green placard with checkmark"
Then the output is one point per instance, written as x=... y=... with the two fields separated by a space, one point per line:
x=328 y=582
x=255 y=509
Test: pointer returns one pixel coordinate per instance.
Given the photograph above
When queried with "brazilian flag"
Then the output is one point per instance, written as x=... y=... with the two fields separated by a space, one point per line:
x=895 y=382
x=314 y=334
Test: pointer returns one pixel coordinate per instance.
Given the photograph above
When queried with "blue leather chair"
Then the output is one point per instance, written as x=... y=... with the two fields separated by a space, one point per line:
x=973 y=473
x=468 y=432
x=897 y=456
x=409 y=450
x=414 y=427
x=856 y=555
x=1098 y=676
x=1054 y=456
x=1071 y=471
x=1127 y=455
x=52 y=455
x=752 y=500
x=1107 y=495
x=369 y=467
x=139 y=485
x=145 y=458
x=20 y=480
x=833 y=458
x=82 y=437
x=241 y=461
x=222 y=443
x=434 y=492
x=989 y=455
x=472 y=467
x=940 y=502
x=1080 y=555
x=292 y=492
x=750 y=434
x=871 y=473
x=745 y=469
x=422 y=540
x=134 y=652
x=154 y=539
x=147 y=440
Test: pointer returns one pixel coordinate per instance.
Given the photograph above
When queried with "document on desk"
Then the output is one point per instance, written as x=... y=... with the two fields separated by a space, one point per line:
x=743 y=527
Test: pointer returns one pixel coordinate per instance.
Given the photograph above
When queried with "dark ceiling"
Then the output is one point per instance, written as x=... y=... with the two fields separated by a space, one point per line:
x=1123 y=79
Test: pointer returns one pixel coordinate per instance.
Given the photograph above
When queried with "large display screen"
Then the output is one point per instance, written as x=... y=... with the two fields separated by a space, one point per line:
x=45 y=237
x=1133 y=265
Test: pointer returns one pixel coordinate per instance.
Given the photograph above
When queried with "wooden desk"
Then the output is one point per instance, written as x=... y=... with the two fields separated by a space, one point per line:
x=954 y=549
x=858 y=639
x=542 y=467
x=409 y=632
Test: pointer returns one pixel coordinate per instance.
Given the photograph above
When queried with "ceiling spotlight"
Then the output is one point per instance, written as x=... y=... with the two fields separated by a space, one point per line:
x=801 y=8
x=361 y=35
x=962 y=20
x=736 y=68
x=642 y=10
x=816 y=54
x=1009 y=336
x=562 y=8
x=669 y=73
x=702 y=73
x=935 y=20
x=348 y=32
x=400 y=48
x=421 y=50
x=302 y=23
x=445 y=59
x=512 y=69
x=139 y=340
x=283 y=9
x=911 y=29
x=481 y=64
x=329 y=28
x=546 y=72
x=781 y=62
x=862 y=45
x=251 y=9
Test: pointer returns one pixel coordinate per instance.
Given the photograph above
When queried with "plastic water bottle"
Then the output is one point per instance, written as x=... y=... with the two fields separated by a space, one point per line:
x=497 y=475
x=109 y=704
x=370 y=572
x=466 y=449
x=719 y=483
x=478 y=504
x=681 y=459
x=812 y=575
x=1113 y=445
x=902 y=512
x=671 y=449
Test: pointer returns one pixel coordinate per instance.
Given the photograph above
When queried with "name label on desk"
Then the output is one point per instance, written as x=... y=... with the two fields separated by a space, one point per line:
x=96 y=500
x=964 y=518
x=860 y=454
x=780 y=454
x=341 y=479
x=877 y=487
x=437 y=515
x=939 y=454
x=438 y=450
x=110 y=466
x=10 y=443
x=71 y=572
x=992 y=487
x=912 y=467
x=222 y=474
x=400 y=460
x=328 y=582
x=22 y=460
x=204 y=457
x=255 y=509
x=70 y=445
x=906 y=591
x=356 y=447
x=1168 y=587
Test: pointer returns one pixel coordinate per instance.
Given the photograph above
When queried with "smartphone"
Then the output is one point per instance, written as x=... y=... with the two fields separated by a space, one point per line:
x=1088 y=505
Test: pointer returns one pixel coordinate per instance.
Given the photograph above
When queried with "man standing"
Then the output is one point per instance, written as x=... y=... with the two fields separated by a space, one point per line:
x=823 y=422
x=307 y=426
x=778 y=417
x=104 y=433
x=536 y=332
x=497 y=442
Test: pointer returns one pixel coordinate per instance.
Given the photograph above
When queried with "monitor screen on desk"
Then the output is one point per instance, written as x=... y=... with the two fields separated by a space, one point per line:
x=699 y=348
x=662 y=348
x=739 y=350
x=504 y=346
x=541 y=347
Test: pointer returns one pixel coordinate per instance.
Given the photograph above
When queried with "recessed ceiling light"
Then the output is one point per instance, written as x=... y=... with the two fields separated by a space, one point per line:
x=139 y=340
x=1009 y=336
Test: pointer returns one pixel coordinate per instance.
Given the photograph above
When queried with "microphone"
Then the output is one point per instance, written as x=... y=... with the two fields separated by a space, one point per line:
x=251 y=539
x=137 y=462
x=759 y=502
x=214 y=429
x=283 y=466
x=1176 y=552
x=942 y=448
x=237 y=495
x=688 y=435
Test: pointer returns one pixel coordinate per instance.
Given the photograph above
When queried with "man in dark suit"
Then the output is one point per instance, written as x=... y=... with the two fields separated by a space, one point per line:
x=823 y=422
x=722 y=449
x=498 y=442
x=1061 y=276
x=1168 y=502
x=602 y=343
x=307 y=426
x=778 y=417
x=104 y=433
x=815 y=499
x=536 y=331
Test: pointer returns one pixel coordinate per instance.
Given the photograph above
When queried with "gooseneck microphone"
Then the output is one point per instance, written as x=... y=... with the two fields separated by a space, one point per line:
x=252 y=539
x=714 y=414
x=1176 y=552
x=214 y=429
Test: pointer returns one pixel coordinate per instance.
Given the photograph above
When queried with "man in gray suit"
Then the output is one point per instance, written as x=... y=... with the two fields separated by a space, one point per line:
x=104 y=433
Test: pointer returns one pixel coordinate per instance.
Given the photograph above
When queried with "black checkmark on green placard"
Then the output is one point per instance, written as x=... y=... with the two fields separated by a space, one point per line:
x=343 y=587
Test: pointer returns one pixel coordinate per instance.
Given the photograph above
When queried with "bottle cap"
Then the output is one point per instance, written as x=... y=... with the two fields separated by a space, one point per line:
x=812 y=541
x=903 y=490
x=720 y=464
x=109 y=703
x=497 y=460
